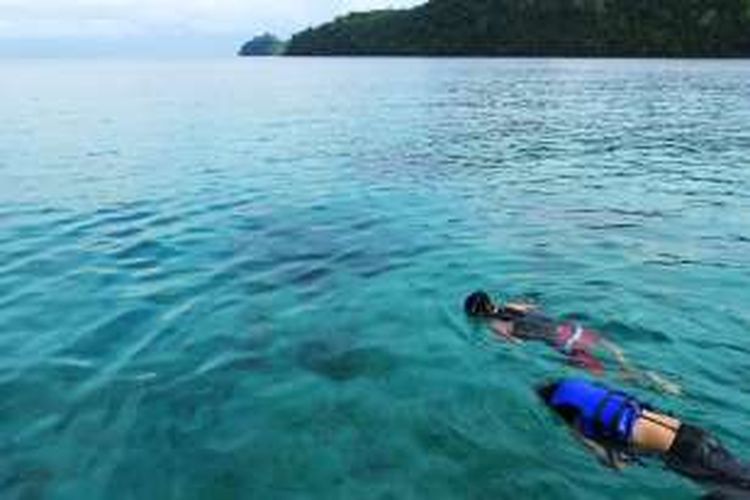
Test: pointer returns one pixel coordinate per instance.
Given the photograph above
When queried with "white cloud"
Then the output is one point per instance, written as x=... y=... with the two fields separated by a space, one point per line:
x=124 y=18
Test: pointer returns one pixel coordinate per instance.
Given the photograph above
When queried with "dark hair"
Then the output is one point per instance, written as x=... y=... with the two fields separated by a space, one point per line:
x=478 y=304
x=546 y=391
x=568 y=412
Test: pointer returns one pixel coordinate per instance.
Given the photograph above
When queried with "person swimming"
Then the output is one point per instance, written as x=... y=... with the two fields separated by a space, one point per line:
x=584 y=348
x=619 y=429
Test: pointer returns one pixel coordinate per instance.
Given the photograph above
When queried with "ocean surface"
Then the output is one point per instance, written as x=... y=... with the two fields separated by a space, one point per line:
x=235 y=279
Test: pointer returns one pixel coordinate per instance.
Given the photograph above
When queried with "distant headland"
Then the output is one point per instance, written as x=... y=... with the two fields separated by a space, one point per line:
x=576 y=28
x=263 y=45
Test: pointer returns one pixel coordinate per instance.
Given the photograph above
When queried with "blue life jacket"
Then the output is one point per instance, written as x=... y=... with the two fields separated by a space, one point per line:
x=602 y=415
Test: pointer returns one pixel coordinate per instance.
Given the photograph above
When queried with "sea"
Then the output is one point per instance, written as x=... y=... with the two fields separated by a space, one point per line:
x=244 y=278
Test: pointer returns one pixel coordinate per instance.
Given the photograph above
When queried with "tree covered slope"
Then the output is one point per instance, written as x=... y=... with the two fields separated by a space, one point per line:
x=650 y=28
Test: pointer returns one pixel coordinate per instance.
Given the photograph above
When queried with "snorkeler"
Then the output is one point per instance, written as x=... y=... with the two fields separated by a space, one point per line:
x=516 y=322
x=619 y=429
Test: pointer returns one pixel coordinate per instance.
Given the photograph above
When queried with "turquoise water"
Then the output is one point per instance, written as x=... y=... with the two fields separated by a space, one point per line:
x=243 y=279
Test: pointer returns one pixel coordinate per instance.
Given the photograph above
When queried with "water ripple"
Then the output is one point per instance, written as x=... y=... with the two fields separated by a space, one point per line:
x=198 y=291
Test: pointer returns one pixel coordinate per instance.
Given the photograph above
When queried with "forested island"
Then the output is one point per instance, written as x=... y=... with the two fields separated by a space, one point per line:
x=263 y=45
x=616 y=28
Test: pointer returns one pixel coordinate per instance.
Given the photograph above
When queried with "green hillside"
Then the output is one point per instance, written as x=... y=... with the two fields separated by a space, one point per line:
x=649 y=28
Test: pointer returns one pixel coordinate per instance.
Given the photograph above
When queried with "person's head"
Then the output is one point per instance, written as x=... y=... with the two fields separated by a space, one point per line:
x=479 y=304
x=547 y=391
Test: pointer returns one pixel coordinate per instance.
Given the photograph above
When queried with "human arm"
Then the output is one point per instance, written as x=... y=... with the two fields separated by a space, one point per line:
x=521 y=307
x=608 y=457
x=504 y=330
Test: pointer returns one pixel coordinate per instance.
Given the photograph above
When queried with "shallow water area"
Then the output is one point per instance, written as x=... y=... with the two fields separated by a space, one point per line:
x=243 y=278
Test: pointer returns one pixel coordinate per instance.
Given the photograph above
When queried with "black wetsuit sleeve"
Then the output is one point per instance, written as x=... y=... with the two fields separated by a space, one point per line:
x=700 y=456
x=535 y=325
x=727 y=493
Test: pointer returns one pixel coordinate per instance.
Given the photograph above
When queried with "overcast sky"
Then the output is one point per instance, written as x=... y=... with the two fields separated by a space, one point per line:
x=39 y=23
